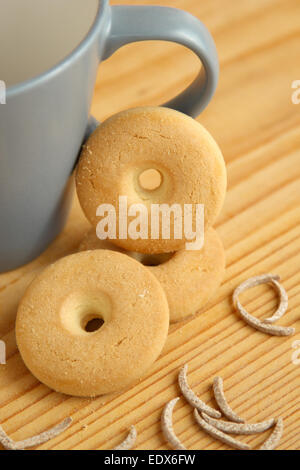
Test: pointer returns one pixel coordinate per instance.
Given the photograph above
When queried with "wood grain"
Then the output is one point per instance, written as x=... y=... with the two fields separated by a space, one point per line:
x=257 y=126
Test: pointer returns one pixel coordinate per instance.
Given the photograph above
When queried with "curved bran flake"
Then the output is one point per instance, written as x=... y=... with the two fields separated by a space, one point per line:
x=219 y=435
x=34 y=441
x=191 y=397
x=244 y=429
x=167 y=425
x=272 y=442
x=222 y=402
x=264 y=326
x=130 y=440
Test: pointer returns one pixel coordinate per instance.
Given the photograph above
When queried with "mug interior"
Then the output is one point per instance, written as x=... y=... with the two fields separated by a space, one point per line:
x=35 y=35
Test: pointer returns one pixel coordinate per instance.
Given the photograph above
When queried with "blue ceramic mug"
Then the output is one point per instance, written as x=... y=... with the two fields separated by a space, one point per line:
x=49 y=56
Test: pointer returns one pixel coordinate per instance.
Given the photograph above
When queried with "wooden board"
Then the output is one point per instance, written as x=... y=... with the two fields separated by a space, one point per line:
x=257 y=126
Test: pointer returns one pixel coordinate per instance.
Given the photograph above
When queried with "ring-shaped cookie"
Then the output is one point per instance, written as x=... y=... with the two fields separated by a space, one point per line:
x=54 y=318
x=181 y=151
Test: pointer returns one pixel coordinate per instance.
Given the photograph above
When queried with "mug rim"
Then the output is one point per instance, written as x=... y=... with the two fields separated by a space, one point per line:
x=64 y=63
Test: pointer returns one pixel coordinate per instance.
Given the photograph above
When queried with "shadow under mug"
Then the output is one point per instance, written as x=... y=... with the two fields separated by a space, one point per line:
x=46 y=119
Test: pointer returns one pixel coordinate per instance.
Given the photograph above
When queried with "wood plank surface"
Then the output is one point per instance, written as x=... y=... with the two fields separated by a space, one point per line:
x=257 y=126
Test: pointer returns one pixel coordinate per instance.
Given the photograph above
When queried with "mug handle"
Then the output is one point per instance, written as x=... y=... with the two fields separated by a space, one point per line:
x=142 y=23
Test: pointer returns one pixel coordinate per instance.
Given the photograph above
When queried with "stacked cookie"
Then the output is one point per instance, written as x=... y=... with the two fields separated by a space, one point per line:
x=94 y=322
x=157 y=156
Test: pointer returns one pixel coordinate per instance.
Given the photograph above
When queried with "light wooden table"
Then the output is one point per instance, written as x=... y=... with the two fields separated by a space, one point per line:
x=257 y=126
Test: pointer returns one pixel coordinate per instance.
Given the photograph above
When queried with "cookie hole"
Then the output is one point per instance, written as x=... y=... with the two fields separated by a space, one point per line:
x=150 y=179
x=92 y=324
x=152 y=260
x=83 y=313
